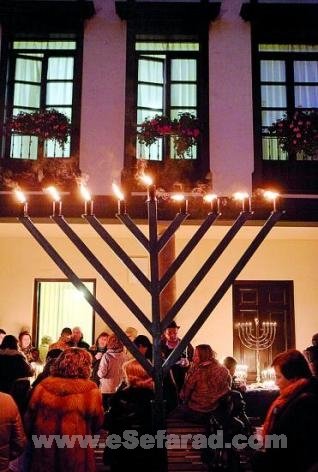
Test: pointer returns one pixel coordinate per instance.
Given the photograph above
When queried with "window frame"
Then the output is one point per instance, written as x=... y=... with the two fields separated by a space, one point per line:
x=162 y=33
x=289 y=58
x=166 y=91
x=8 y=56
x=278 y=23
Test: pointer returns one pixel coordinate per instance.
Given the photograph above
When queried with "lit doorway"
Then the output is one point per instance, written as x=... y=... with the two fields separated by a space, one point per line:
x=58 y=304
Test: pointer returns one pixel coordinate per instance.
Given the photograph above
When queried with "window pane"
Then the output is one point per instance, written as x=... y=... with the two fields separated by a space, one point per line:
x=154 y=46
x=306 y=97
x=271 y=116
x=153 y=152
x=60 y=68
x=184 y=70
x=65 y=110
x=273 y=96
x=175 y=112
x=53 y=149
x=183 y=95
x=44 y=45
x=150 y=96
x=306 y=71
x=288 y=47
x=59 y=93
x=24 y=147
x=143 y=114
x=28 y=70
x=273 y=71
x=272 y=151
x=150 y=71
x=26 y=95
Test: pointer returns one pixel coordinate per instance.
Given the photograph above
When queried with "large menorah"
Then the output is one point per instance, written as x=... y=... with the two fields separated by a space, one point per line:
x=257 y=339
x=154 y=285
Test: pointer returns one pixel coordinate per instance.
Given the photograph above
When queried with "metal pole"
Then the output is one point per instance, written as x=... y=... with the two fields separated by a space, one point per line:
x=72 y=277
x=158 y=411
x=202 y=317
x=98 y=266
x=101 y=231
x=214 y=256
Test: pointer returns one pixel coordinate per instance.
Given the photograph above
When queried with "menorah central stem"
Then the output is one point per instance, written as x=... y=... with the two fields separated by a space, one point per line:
x=257 y=339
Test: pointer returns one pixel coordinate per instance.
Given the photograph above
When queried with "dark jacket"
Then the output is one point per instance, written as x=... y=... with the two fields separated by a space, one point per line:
x=13 y=366
x=130 y=409
x=297 y=419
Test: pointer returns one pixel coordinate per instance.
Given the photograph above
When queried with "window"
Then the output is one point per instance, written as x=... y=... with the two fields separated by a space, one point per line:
x=288 y=81
x=167 y=73
x=167 y=85
x=40 y=76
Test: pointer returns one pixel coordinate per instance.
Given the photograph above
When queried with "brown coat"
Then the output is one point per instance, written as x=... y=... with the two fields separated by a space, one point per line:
x=64 y=406
x=204 y=385
x=12 y=437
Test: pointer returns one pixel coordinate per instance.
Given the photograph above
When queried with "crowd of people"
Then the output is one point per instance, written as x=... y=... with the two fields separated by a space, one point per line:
x=83 y=388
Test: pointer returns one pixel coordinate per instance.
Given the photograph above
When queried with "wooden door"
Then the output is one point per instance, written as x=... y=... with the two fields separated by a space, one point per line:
x=267 y=301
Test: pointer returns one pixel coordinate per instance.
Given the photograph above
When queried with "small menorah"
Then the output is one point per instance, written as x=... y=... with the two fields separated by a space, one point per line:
x=257 y=340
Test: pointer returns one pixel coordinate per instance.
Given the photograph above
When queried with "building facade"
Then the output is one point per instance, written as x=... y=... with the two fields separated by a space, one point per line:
x=108 y=65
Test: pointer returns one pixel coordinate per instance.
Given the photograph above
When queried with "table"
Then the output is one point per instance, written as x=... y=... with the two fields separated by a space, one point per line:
x=258 y=402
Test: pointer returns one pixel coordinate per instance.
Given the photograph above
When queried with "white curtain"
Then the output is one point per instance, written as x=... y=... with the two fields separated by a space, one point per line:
x=61 y=305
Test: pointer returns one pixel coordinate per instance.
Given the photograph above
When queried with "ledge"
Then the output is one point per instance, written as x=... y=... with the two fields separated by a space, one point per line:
x=280 y=13
x=175 y=11
x=18 y=14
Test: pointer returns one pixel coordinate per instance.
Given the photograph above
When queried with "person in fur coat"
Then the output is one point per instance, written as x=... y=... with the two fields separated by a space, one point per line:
x=66 y=404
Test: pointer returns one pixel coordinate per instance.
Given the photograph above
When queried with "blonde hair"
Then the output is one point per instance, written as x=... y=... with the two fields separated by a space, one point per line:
x=136 y=375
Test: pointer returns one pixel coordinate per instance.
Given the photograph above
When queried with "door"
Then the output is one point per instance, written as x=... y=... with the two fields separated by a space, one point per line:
x=268 y=301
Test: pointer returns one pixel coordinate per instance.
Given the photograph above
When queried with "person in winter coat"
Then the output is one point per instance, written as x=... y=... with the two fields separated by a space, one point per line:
x=97 y=351
x=130 y=409
x=15 y=372
x=293 y=416
x=110 y=368
x=206 y=382
x=12 y=437
x=69 y=405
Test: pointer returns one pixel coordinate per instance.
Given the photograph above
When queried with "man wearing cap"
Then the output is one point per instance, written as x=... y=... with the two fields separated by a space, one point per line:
x=169 y=342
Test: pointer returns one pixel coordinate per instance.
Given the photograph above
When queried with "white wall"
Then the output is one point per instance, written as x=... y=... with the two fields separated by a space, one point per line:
x=287 y=254
x=103 y=99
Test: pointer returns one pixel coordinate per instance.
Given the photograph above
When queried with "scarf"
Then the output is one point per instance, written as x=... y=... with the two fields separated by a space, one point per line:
x=280 y=402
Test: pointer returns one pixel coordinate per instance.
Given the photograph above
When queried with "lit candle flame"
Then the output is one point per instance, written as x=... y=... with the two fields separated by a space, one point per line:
x=54 y=193
x=146 y=179
x=20 y=196
x=85 y=193
x=270 y=195
x=178 y=197
x=210 y=197
x=240 y=195
x=119 y=194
